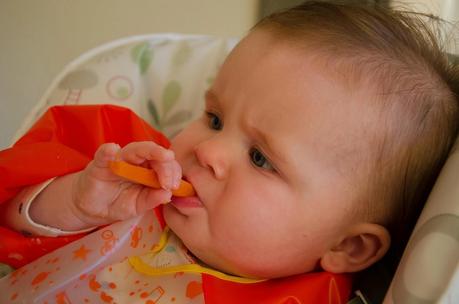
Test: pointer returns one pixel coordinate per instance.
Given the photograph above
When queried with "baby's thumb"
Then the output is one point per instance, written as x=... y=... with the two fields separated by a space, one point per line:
x=106 y=153
x=150 y=198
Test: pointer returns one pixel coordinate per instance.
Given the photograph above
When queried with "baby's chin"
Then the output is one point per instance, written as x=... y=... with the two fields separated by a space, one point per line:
x=222 y=259
x=233 y=267
x=254 y=269
x=219 y=264
x=204 y=256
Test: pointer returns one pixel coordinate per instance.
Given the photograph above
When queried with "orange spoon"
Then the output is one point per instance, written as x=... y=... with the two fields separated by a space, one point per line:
x=147 y=177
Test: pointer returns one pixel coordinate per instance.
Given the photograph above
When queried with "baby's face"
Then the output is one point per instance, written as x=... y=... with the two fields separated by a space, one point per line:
x=267 y=164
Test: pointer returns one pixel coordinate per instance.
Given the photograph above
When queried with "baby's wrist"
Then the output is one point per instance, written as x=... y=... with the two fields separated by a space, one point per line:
x=23 y=214
x=53 y=206
x=80 y=218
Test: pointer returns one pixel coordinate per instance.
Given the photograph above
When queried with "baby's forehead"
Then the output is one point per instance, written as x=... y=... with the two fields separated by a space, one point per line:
x=299 y=94
x=350 y=63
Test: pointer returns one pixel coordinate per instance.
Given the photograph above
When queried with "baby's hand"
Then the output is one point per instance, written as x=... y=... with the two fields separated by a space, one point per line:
x=101 y=197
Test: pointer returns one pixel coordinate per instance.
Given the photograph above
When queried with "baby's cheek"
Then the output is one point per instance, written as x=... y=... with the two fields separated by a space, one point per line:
x=244 y=228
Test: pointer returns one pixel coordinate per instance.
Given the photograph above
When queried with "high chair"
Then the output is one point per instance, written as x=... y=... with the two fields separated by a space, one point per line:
x=163 y=78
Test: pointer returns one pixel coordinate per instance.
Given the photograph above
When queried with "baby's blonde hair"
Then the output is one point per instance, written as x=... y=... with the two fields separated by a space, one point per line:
x=397 y=55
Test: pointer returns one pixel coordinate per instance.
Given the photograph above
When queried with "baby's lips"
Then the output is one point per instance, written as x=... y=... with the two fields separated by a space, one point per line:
x=147 y=177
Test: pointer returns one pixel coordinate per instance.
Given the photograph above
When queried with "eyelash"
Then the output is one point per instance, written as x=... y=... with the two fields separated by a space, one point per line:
x=266 y=165
x=255 y=155
x=210 y=119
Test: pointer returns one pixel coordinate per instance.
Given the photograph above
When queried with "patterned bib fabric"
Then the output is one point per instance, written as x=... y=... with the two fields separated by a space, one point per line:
x=127 y=262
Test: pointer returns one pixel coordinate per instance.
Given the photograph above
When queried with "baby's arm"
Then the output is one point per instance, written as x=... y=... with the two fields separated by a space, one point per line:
x=95 y=196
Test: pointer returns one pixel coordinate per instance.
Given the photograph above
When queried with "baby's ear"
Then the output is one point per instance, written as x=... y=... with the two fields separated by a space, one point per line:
x=364 y=245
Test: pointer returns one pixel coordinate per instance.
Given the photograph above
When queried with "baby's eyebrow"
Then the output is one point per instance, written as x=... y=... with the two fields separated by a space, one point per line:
x=211 y=97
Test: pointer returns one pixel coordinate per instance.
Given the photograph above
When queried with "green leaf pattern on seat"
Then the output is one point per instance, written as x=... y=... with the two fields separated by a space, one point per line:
x=142 y=55
x=171 y=95
x=154 y=113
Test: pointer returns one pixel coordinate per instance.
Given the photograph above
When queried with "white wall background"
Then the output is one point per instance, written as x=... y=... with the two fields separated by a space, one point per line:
x=38 y=38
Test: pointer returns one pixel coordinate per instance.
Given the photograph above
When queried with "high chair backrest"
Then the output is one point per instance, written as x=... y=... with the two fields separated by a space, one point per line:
x=163 y=78
x=429 y=269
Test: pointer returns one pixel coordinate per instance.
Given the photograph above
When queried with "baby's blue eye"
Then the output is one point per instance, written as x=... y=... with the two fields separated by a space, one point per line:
x=215 y=122
x=259 y=160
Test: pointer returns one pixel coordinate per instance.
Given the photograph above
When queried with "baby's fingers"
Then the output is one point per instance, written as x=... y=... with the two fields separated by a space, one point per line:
x=139 y=152
x=169 y=173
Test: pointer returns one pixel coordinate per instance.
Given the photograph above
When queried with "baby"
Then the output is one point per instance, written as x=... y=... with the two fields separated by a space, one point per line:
x=321 y=138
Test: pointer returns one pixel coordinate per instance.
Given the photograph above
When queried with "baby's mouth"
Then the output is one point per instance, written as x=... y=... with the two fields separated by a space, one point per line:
x=187 y=201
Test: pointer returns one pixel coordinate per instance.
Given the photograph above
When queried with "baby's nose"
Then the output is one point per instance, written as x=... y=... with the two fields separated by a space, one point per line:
x=213 y=156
